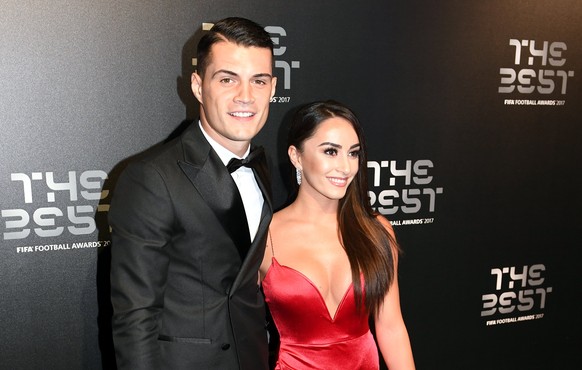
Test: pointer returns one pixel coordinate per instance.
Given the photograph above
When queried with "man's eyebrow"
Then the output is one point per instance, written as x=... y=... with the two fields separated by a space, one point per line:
x=225 y=71
x=261 y=75
x=234 y=74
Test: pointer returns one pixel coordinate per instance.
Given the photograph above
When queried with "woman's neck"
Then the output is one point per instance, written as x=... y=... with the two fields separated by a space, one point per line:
x=315 y=208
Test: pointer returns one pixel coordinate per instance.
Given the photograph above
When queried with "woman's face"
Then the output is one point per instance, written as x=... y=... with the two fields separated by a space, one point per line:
x=329 y=159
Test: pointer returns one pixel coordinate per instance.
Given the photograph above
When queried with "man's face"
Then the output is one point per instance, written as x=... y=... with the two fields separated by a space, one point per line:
x=235 y=93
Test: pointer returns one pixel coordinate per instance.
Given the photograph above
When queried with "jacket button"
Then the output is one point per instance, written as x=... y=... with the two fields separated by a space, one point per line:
x=225 y=346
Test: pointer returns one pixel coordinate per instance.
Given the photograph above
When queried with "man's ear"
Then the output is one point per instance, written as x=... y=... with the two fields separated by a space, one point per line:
x=196 y=85
x=294 y=156
x=273 y=86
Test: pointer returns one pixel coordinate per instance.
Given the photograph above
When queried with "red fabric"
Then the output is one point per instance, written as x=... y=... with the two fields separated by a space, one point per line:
x=310 y=337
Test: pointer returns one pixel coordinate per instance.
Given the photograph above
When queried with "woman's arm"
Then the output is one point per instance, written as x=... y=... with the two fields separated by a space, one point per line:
x=391 y=332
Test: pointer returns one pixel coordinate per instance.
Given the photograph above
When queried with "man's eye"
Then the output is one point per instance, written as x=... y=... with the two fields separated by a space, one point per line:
x=260 y=82
x=226 y=80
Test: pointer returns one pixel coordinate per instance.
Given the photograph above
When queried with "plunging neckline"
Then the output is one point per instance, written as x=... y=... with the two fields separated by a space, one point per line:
x=306 y=278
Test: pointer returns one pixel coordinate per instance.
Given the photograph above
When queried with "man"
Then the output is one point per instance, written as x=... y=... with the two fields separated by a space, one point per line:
x=186 y=246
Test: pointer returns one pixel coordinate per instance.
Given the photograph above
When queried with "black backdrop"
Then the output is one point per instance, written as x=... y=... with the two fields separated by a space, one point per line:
x=474 y=156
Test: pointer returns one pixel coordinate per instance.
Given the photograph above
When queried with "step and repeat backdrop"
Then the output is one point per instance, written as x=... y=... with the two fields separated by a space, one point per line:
x=472 y=113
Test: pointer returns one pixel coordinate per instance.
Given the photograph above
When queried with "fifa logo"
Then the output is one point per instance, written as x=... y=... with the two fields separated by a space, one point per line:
x=417 y=194
x=538 y=67
x=80 y=191
x=520 y=289
x=277 y=33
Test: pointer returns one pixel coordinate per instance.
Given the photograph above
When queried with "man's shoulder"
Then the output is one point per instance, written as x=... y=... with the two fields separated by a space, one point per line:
x=169 y=151
x=162 y=152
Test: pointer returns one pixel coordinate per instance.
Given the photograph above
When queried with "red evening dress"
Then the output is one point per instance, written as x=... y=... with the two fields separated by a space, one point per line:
x=310 y=337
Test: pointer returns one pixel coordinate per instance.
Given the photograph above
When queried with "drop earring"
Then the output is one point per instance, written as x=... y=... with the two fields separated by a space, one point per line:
x=298 y=176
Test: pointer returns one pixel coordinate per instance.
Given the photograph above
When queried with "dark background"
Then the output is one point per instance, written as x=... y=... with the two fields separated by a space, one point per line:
x=86 y=86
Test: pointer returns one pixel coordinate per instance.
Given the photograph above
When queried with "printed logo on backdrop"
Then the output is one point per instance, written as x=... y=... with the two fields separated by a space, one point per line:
x=283 y=68
x=55 y=206
x=406 y=190
x=539 y=75
x=518 y=293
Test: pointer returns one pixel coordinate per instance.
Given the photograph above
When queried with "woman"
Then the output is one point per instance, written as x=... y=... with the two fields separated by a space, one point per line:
x=330 y=262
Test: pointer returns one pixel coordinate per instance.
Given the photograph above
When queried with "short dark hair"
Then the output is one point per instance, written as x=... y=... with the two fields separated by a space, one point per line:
x=240 y=31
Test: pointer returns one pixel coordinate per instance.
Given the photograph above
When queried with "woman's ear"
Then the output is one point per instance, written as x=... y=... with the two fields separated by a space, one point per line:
x=294 y=156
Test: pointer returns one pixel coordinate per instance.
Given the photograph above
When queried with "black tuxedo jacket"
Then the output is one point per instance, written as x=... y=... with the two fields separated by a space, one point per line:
x=183 y=269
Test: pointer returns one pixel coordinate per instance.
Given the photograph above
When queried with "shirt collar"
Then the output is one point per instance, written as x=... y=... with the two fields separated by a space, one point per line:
x=224 y=154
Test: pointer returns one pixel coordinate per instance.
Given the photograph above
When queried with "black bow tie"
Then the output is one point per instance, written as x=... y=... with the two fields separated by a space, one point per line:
x=250 y=161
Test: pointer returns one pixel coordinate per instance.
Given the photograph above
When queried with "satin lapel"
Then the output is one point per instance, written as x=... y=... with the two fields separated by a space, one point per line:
x=264 y=180
x=216 y=186
x=257 y=250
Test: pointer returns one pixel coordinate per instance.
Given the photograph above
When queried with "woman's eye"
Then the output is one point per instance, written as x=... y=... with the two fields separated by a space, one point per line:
x=355 y=153
x=330 y=151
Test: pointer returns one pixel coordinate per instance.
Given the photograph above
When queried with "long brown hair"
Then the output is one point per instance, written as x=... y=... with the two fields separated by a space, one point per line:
x=369 y=246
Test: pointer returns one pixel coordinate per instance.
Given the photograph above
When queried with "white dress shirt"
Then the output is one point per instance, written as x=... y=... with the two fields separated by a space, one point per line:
x=246 y=183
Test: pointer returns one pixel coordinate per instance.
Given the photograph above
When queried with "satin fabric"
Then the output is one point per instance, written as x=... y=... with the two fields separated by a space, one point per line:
x=310 y=337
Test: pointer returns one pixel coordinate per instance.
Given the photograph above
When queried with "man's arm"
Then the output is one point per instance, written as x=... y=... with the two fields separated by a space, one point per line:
x=141 y=217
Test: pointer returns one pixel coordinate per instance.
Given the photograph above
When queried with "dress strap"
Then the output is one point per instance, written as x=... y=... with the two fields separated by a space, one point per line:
x=271 y=242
